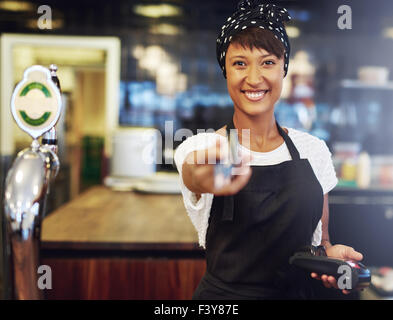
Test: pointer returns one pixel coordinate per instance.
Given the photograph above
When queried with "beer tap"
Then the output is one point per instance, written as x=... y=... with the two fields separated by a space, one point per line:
x=36 y=107
x=49 y=138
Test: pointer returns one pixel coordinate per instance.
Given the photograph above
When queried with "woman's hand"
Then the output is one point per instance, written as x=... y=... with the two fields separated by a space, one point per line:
x=342 y=252
x=198 y=171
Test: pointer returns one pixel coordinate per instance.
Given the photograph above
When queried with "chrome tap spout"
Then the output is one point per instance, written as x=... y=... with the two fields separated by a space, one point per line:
x=27 y=182
x=26 y=187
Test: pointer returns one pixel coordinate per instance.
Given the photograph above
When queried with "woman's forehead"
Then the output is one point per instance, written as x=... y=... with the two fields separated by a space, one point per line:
x=236 y=49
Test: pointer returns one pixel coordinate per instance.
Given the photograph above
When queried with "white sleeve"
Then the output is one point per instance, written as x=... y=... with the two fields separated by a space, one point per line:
x=317 y=236
x=327 y=178
x=327 y=174
x=197 y=210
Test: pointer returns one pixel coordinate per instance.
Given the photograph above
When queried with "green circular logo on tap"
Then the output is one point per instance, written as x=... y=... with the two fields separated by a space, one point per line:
x=36 y=102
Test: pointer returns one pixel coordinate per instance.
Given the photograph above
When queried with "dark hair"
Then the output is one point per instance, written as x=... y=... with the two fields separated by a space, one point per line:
x=261 y=39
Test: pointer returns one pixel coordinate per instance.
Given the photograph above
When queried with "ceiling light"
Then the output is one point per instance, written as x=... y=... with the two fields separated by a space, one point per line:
x=45 y=55
x=55 y=24
x=388 y=32
x=292 y=32
x=16 y=6
x=157 y=11
x=166 y=29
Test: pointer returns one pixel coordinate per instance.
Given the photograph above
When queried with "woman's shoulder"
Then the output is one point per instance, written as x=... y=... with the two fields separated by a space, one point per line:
x=307 y=143
x=303 y=136
x=317 y=152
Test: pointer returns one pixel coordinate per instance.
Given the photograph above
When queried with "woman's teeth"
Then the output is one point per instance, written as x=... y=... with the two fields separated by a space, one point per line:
x=255 y=95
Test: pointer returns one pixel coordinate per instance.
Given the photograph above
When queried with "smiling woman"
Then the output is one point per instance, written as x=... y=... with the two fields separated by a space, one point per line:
x=255 y=70
x=279 y=202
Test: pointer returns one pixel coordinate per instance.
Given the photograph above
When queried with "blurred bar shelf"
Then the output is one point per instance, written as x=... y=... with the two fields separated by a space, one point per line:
x=363 y=219
x=359 y=196
x=356 y=84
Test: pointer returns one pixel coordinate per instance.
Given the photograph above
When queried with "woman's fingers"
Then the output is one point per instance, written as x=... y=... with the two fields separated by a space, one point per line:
x=315 y=276
x=240 y=176
x=352 y=254
x=204 y=175
x=328 y=281
x=212 y=155
x=332 y=281
x=218 y=152
x=325 y=281
x=204 y=171
x=236 y=184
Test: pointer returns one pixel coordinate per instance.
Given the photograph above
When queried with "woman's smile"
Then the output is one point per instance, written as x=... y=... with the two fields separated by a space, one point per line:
x=254 y=95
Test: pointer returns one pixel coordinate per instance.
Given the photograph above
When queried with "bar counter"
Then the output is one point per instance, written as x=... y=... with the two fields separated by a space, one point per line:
x=108 y=244
x=125 y=245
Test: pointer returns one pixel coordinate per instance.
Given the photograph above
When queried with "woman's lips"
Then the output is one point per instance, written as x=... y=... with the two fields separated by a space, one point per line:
x=255 y=95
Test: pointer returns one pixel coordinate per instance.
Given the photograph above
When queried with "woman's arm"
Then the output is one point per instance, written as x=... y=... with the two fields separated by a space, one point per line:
x=198 y=173
x=325 y=223
x=334 y=251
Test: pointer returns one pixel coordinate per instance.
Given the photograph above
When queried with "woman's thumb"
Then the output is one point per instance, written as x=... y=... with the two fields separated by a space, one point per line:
x=354 y=255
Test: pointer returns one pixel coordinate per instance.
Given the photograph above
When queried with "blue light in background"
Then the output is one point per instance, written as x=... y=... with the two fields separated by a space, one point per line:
x=300 y=15
x=146 y=107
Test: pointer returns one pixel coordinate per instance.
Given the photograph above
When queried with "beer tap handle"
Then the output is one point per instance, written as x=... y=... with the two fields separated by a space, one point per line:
x=53 y=73
x=50 y=138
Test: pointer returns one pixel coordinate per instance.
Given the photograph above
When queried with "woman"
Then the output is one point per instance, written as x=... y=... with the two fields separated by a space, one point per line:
x=252 y=225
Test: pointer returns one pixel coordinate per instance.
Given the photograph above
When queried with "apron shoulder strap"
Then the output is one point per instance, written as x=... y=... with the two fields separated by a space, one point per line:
x=290 y=145
x=288 y=141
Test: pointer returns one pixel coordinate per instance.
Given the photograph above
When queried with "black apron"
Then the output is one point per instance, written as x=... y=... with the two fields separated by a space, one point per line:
x=252 y=234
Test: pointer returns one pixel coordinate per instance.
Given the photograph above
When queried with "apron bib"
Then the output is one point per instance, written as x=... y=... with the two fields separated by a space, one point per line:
x=252 y=234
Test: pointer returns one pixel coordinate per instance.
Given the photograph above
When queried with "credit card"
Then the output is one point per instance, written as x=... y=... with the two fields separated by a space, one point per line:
x=233 y=143
x=223 y=171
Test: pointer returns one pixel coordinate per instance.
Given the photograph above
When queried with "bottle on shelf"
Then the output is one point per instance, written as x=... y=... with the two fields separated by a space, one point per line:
x=363 y=176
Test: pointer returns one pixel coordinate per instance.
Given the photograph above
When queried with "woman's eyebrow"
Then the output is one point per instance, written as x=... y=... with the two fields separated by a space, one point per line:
x=243 y=57
x=237 y=57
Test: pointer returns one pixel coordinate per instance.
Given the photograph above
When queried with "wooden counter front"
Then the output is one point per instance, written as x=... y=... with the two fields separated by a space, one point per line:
x=101 y=215
x=121 y=245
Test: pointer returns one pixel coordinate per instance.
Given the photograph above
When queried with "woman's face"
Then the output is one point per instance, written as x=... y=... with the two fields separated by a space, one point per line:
x=254 y=79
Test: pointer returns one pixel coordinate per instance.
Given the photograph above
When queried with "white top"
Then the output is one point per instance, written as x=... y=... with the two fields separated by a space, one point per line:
x=309 y=147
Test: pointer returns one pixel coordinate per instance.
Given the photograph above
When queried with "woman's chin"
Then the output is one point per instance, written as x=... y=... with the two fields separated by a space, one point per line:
x=255 y=111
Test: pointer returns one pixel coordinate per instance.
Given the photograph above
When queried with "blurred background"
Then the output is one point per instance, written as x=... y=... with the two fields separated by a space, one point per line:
x=129 y=67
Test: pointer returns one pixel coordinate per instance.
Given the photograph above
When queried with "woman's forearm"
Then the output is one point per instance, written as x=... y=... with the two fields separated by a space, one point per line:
x=325 y=223
x=187 y=175
x=326 y=243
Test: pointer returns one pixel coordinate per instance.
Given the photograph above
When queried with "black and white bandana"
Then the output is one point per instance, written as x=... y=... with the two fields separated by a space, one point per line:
x=252 y=14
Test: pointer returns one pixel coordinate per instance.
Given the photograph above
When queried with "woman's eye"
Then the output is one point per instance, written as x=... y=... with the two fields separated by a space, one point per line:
x=269 y=62
x=239 y=63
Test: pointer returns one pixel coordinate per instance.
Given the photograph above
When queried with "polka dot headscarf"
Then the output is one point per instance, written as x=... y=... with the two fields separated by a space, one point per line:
x=251 y=14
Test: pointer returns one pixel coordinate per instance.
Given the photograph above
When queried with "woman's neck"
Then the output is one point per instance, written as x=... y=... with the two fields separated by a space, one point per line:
x=258 y=134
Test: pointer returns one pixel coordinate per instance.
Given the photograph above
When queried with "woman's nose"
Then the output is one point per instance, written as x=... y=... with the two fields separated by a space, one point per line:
x=255 y=75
